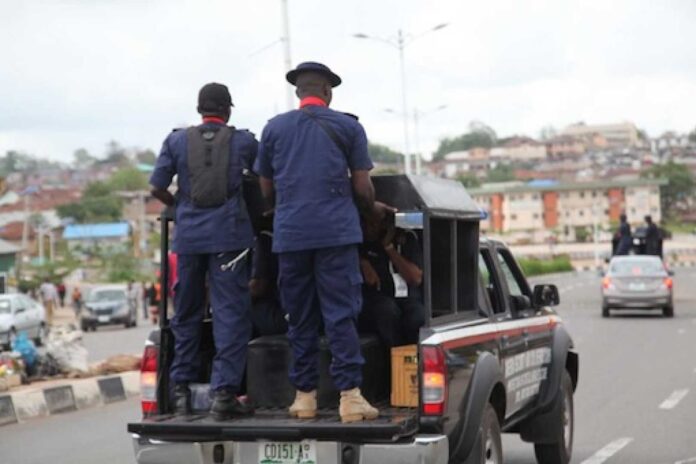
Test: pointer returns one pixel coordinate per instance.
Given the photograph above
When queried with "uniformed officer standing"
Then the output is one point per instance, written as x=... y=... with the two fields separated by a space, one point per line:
x=305 y=157
x=212 y=235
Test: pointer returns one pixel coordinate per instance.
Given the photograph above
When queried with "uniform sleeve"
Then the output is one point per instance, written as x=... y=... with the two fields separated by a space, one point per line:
x=359 y=159
x=250 y=150
x=412 y=249
x=165 y=168
x=263 y=166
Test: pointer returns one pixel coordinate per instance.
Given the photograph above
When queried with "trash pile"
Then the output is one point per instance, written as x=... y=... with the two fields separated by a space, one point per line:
x=64 y=355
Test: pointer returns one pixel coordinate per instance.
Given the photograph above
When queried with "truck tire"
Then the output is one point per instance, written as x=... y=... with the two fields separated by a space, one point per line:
x=491 y=444
x=605 y=310
x=668 y=311
x=561 y=451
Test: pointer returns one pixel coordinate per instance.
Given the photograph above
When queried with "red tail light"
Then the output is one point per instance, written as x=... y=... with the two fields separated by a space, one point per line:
x=668 y=283
x=434 y=389
x=606 y=283
x=148 y=380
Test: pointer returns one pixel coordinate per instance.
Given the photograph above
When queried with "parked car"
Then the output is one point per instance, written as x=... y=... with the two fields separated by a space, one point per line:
x=637 y=282
x=107 y=305
x=493 y=357
x=20 y=313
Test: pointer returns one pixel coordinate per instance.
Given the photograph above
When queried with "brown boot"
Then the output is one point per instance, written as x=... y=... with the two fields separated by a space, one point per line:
x=305 y=405
x=355 y=408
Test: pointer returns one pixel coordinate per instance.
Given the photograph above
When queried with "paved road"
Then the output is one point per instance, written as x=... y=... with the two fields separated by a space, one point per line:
x=635 y=403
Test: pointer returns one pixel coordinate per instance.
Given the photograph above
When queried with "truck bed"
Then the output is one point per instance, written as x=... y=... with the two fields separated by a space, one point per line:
x=274 y=424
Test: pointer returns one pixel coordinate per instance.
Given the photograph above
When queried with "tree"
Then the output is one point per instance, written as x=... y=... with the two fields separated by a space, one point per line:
x=96 y=189
x=116 y=154
x=82 y=158
x=469 y=181
x=692 y=136
x=146 y=156
x=679 y=188
x=479 y=135
x=501 y=173
x=384 y=154
x=98 y=204
x=128 y=178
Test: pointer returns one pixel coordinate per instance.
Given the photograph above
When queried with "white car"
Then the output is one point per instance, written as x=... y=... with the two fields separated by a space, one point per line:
x=19 y=313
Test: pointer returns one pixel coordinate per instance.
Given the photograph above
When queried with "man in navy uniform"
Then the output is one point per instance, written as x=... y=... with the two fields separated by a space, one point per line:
x=212 y=236
x=314 y=170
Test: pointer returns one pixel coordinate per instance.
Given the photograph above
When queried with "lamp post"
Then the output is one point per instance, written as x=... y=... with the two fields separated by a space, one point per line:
x=400 y=43
x=417 y=116
x=286 y=52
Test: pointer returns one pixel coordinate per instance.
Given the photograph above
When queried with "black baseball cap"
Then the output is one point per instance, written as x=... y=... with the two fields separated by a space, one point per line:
x=312 y=66
x=214 y=98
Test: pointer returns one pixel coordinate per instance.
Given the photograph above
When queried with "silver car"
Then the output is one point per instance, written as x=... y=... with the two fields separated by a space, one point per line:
x=637 y=282
x=108 y=305
x=19 y=313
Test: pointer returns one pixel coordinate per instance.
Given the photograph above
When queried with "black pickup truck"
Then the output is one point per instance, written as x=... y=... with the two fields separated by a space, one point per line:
x=493 y=357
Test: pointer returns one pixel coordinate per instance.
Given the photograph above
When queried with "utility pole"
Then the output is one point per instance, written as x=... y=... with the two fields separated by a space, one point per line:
x=41 y=243
x=404 y=107
x=286 y=52
x=51 y=245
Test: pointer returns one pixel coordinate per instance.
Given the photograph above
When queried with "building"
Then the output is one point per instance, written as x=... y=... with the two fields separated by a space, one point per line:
x=563 y=207
x=621 y=135
x=8 y=257
x=110 y=238
x=519 y=150
x=475 y=161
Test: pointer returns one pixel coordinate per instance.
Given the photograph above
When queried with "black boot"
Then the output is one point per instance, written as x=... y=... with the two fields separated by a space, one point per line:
x=227 y=406
x=182 y=399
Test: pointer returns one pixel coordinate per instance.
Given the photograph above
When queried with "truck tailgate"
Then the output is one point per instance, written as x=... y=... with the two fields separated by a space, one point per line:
x=274 y=424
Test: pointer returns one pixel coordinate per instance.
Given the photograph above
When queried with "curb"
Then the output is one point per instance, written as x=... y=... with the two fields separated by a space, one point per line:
x=72 y=395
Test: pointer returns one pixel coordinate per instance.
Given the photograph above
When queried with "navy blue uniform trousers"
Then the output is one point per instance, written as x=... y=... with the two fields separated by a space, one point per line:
x=331 y=276
x=229 y=302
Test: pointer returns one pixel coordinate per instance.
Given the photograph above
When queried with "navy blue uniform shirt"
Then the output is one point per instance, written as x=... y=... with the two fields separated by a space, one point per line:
x=207 y=230
x=314 y=196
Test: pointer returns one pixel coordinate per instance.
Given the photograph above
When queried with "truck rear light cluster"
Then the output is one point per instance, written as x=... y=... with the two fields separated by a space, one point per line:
x=148 y=381
x=607 y=283
x=668 y=283
x=434 y=389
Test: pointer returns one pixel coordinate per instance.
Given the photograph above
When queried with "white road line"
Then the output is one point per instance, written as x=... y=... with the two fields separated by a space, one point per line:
x=681 y=331
x=686 y=461
x=608 y=451
x=674 y=399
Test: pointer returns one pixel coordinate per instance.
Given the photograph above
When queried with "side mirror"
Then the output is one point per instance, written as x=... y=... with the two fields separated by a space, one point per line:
x=520 y=303
x=670 y=273
x=545 y=295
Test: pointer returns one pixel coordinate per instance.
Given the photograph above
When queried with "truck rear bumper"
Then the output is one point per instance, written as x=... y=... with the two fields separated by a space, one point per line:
x=421 y=449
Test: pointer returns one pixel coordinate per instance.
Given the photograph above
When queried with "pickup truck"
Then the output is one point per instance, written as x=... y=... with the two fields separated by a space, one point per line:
x=493 y=357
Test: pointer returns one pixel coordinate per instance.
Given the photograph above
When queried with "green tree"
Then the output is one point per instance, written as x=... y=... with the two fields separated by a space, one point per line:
x=146 y=156
x=127 y=178
x=96 y=189
x=679 y=188
x=384 y=154
x=692 y=136
x=501 y=173
x=98 y=204
x=479 y=135
x=469 y=181
x=82 y=158
x=116 y=154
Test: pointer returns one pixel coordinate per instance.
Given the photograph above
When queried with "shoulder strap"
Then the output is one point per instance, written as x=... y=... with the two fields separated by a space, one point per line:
x=329 y=131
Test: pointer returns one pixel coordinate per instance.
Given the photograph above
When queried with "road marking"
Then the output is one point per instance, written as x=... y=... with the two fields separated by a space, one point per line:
x=681 y=331
x=685 y=461
x=674 y=399
x=608 y=451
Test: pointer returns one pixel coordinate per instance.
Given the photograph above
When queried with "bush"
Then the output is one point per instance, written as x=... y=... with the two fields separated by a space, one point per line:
x=534 y=266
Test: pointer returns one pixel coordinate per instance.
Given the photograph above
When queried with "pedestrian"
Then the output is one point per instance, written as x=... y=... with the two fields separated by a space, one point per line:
x=154 y=293
x=212 y=237
x=76 y=298
x=145 y=297
x=49 y=297
x=624 y=239
x=652 y=237
x=61 y=293
x=304 y=161
x=133 y=297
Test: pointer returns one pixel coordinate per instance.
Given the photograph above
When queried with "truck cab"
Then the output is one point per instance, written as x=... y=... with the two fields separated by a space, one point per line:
x=493 y=357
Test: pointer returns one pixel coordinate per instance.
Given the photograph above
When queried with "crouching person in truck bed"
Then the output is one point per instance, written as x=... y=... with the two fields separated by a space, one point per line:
x=391 y=261
x=267 y=316
x=212 y=235
x=304 y=161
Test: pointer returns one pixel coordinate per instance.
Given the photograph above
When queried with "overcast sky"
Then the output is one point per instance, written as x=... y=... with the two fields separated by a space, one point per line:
x=78 y=73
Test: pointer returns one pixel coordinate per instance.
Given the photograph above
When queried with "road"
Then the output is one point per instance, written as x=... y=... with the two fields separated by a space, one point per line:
x=635 y=402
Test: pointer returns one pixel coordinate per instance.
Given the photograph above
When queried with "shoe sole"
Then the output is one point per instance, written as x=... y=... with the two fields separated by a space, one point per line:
x=304 y=414
x=358 y=417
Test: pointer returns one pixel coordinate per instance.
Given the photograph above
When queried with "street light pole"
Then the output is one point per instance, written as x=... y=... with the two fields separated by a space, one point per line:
x=404 y=107
x=286 y=51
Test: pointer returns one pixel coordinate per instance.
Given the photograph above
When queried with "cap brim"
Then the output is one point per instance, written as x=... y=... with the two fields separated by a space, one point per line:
x=292 y=76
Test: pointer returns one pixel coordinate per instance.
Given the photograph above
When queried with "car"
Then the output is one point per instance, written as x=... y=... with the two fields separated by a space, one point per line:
x=493 y=357
x=105 y=305
x=637 y=282
x=20 y=313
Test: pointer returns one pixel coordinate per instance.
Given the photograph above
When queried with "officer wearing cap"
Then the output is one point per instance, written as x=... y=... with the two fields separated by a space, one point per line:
x=314 y=170
x=211 y=238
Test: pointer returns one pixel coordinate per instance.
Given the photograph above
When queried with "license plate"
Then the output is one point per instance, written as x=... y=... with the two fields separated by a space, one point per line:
x=273 y=452
x=103 y=318
x=636 y=287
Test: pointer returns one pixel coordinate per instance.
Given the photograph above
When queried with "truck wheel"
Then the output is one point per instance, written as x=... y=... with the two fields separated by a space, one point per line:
x=491 y=445
x=605 y=311
x=561 y=451
x=668 y=311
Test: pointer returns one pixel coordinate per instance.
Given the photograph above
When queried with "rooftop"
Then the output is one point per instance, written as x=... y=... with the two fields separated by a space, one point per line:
x=520 y=187
x=96 y=231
